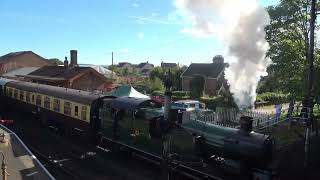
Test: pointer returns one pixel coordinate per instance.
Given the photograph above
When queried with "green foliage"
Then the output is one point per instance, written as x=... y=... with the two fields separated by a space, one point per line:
x=197 y=86
x=219 y=101
x=55 y=61
x=180 y=93
x=287 y=35
x=125 y=71
x=157 y=93
x=269 y=98
x=175 y=75
x=150 y=85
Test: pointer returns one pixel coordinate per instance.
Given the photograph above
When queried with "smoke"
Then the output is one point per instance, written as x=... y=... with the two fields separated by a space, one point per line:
x=239 y=25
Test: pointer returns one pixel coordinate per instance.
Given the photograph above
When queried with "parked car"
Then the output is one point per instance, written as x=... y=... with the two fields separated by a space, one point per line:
x=187 y=105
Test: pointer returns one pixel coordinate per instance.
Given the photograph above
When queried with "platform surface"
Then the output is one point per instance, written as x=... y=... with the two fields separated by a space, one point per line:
x=21 y=163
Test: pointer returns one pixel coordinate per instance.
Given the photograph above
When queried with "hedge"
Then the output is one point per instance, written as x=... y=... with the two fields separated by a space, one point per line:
x=272 y=97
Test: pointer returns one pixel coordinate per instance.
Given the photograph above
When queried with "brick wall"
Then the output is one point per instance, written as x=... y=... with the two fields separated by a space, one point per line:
x=210 y=87
x=88 y=82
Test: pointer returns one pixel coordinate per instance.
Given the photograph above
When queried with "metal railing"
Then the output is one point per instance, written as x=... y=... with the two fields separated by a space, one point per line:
x=261 y=120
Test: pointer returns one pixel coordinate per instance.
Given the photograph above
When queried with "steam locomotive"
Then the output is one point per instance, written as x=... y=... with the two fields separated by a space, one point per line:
x=119 y=120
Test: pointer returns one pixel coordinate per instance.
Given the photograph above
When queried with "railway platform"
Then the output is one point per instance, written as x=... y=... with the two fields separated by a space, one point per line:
x=17 y=161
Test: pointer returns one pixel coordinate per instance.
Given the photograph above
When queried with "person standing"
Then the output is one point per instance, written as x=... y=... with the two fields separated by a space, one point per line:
x=278 y=107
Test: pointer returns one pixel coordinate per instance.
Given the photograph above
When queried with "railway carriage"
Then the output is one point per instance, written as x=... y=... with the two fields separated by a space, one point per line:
x=64 y=108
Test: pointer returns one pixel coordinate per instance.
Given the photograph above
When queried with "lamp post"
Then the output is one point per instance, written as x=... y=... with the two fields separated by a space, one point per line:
x=166 y=136
x=4 y=167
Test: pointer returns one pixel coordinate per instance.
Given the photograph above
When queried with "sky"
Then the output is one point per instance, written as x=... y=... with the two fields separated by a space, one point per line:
x=134 y=30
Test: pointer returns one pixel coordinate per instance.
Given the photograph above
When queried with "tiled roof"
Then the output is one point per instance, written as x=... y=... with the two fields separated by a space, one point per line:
x=18 y=53
x=59 y=71
x=20 y=71
x=207 y=69
x=168 y=65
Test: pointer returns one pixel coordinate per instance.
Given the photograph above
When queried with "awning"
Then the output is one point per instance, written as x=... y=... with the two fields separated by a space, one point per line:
x=128 y=91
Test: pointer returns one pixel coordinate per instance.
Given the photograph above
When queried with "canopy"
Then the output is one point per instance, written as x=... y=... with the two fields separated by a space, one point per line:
x=128 y=91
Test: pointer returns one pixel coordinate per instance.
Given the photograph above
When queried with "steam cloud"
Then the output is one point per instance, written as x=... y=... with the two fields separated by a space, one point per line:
x=240 y=26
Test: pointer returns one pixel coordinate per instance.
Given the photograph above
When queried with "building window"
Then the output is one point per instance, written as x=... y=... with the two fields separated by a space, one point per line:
x=38 y=100
x=56 y=105
x=32 y=98
x=27 y=96
x=76 y=110
x=84 y=112
x=67 y=108
x=46 y=102
x=21 y=95
x=15 y=94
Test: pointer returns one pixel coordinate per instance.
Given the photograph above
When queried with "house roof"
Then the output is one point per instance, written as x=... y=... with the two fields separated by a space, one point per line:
x=59 y=71
x=20 y=71
x=141 y=65
x=168 y=65
x=207 y=69
x=121 y=64
x=100 y=69
x=18 y=53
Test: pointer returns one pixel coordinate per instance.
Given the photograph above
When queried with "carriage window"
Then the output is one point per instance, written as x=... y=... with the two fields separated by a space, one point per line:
x=38 y=100
x=47 y=102
x=67 y=108
x=10 y=92
x=21 y=95
x=56 y=105
x=27 y=96
x=15 y=94
x=84 y=112
x=76 y=110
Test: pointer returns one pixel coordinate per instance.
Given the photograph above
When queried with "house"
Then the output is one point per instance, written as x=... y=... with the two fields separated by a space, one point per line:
x=168 y=65
x=215 y=82
x=71 y=76
x=124 y=65
x=21 y=59
x=145 y=68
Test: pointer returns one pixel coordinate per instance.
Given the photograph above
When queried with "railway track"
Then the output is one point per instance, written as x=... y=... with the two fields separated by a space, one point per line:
x=66 y=160
x=59 y=171
x=74 y=163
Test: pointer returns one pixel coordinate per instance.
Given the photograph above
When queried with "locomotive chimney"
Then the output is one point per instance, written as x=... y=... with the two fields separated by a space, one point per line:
x=246 y=124
x=73 y=58
x=65 y=63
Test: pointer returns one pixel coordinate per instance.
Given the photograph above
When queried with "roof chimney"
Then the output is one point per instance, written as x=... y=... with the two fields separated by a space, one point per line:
x=66 y=62
x=73 y=58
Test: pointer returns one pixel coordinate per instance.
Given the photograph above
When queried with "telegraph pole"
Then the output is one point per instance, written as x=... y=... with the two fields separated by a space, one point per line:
x=112 y=65
x=310 y=95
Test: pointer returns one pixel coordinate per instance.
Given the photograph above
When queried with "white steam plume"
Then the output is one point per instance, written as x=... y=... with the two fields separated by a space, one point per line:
x=240 y=26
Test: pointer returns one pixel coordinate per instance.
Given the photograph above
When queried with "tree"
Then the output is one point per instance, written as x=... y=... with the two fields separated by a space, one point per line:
x=149 y=85
x=55 y=61
x=197 y=85
x=160 y=73
x=287 y=35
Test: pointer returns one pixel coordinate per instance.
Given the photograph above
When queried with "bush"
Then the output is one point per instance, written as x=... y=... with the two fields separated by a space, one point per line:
x=272 y=98
x=180 y=93
x=218 y=101
x=197 y=85
x=157 y=93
